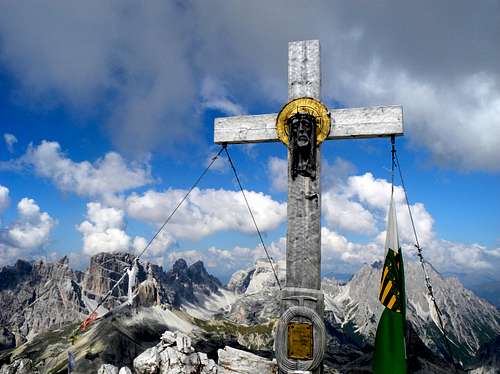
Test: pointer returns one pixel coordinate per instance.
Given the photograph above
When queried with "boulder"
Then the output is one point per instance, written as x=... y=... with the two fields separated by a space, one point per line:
x=174 y=355
x=148 y=362
x=125 y=370
x=234 y=361
x=168 y=338
x=184 y=343
x=107 y=369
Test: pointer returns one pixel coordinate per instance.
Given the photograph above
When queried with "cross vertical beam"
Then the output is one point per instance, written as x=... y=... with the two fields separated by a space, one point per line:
x=303 y=245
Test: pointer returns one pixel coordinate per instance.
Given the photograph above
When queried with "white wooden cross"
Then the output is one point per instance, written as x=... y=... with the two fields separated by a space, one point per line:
x=303 y=252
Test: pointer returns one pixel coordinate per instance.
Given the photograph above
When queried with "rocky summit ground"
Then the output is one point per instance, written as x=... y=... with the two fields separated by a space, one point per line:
x=42 y=305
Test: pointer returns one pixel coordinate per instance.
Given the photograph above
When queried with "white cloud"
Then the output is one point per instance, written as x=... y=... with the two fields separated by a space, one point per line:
x=28 y=233
x=278 y=173
x=32 y=228
x=148 y=62
x=104 y=178
x=214 y=96
x=360 y=204
x=458 y=123
x=10 y=140
x=103 y=230
x=206 y=211
x=376 y=193
x=134 y=58
x=341 y=255
x=346 y=214
x=158 y=247
x=4 y=198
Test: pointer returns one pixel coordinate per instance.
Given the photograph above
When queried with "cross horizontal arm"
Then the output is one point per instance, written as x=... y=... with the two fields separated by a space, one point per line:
x=369 y=122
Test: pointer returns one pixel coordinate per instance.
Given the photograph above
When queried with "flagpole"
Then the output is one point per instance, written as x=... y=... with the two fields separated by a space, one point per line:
x=393 y=153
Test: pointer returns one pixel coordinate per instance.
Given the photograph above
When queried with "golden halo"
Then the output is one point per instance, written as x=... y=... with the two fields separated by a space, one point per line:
x=304 y=105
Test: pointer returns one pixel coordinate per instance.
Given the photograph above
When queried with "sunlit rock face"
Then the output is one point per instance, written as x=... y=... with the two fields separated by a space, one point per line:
x=354 y=308
x=469 y=321
x=37 y=296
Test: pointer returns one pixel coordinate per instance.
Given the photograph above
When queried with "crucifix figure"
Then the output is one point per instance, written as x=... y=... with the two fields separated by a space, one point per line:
x=302 y=125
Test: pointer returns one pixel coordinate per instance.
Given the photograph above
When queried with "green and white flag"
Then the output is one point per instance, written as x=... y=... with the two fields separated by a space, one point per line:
x=390 y=350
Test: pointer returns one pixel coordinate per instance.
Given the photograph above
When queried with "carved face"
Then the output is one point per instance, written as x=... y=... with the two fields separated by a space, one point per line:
x=301 y=128
x=302 y=143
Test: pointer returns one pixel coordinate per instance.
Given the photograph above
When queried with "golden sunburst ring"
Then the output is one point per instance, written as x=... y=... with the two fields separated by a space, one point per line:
x=306 y=105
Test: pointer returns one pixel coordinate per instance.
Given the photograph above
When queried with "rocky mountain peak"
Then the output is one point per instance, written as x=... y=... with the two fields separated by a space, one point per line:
x=180 y=266
x=185 y=282
x=258 y=277
x=11 y=275
x=104 y=270
x=200 y=276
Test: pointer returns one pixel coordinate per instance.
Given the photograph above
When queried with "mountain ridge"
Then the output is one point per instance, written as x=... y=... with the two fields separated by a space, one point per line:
x=251 y=297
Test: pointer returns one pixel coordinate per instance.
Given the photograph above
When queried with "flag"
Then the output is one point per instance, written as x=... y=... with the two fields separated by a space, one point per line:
x=390 y=349
x=88 y=321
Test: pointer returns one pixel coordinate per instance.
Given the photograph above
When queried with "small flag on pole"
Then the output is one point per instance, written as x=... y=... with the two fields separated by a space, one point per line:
x=390 y=350
x=88 y=321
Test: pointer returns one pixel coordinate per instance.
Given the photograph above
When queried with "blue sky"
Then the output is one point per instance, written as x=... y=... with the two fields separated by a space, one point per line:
x=107 y=118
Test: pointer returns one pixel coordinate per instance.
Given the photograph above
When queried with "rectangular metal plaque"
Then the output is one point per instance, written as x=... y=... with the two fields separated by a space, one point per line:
x=300 y=341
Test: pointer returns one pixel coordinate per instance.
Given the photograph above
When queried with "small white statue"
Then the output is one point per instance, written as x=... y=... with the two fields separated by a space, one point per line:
x=132 y=278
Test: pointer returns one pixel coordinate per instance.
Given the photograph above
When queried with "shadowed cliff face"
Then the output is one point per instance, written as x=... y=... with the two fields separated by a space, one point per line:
x=184 y=282
x=10 y=276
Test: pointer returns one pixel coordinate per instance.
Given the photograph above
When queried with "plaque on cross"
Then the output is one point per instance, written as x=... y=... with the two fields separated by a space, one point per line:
x=302 y=124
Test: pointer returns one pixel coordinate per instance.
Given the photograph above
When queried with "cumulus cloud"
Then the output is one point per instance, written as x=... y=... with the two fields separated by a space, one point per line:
x=161 y=244
x=206 y=211
x=346 y=214
x=104 y=178
x=360 y=203
x=104 y=230
x=10 y=140
x=343 y=256
x=27 y=234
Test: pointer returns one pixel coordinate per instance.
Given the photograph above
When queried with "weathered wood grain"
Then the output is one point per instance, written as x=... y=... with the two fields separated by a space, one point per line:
x=304 y=70
x=303 y=240
x=370 y=122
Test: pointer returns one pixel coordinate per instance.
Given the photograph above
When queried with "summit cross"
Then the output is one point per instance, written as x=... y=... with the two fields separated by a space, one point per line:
x=303 y=123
